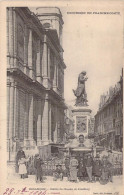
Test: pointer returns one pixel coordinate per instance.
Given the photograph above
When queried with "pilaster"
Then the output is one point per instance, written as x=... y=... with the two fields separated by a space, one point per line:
x=55 y=74
x=26 y=117
x=26 y=49
x=56 y=127
x=11 y=37
x=8 y=108
x=38 y=63
x=30 y=122
x=39 y=123
x=30 y=65
x=45 y=60
x=11 y=123
x=16 y=113
x=50 y=121
x=49 y=62
x=15 y=38
x=45 y=122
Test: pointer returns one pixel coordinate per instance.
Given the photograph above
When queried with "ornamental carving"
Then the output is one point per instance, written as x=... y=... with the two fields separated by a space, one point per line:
x=81 y=124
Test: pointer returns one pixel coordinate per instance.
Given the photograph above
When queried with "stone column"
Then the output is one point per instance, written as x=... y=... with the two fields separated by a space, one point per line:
x=50 y=121
x=11 y=122
x=63 y=84
x=45 y=60
x=39 y=123
x=56 y=128
x=62 y=125
x=8 y=65
x=45 y=122
x=38 y=63
x=59 y=125
x=15 y=37
x=30 y=53
x=49 y=62
x=8 y=108
x=26 y=47
x=16 y=121
x=26 y=118
x=11 y=37
x=55 y=74
x=30 y=124
x=16 y=117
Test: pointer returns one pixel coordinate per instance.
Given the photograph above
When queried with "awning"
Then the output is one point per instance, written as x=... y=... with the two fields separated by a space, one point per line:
x=81 y=149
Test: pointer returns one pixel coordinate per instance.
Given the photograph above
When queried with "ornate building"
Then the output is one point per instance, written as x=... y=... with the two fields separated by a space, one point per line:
x=35 y=78
x=109 y=118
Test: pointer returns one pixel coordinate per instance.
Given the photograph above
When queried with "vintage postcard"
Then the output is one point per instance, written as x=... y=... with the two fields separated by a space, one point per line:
x=61 y=101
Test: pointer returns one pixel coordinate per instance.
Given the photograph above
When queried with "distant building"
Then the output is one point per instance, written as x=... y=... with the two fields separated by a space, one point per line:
x=35 y=78
x=109 y=118
x=91 y=128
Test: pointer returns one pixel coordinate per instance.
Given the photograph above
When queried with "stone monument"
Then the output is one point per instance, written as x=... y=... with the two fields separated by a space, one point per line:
x=81 y=111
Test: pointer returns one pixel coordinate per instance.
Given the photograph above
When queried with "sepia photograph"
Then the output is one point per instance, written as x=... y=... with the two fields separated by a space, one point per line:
x=64 y=98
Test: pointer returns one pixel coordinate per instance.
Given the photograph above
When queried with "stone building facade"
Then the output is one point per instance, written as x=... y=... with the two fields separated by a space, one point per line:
x=35 y=78
x=109 y=118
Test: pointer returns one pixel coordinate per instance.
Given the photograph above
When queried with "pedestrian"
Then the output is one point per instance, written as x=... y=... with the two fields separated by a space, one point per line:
x=38 y=168
x=58 y=174
x=89 y=166
x=67 y=163
x=22 y=167
x=97 y=168
x=81 y=169
x=73 y=169
x=105 y=165
x=19 y=155
x=111 y=160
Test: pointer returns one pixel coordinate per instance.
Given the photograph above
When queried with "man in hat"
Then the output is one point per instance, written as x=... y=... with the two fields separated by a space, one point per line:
x=111 y=160
x=89 y=165
x=81 y=169
x=105 y=164
x=67 y=163
x=97 y=167
x=58 y=174
x=38 y=166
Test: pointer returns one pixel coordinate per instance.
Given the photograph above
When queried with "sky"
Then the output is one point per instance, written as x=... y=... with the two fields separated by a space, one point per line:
x=94 y=43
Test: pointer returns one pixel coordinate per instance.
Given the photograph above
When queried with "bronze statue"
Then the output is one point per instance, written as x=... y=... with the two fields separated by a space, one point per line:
x=80 y=92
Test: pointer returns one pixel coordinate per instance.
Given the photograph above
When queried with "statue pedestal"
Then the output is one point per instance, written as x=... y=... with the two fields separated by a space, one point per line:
x=81 y=116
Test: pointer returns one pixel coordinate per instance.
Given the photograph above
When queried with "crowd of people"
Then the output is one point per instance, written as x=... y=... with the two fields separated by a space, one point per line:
x=89 y=169
x=84 y=168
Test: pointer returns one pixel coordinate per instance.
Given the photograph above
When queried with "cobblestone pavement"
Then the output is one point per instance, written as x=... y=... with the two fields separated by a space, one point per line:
x=58 y=186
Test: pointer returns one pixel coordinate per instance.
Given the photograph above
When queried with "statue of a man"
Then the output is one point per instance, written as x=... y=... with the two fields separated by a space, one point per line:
x=80 y=92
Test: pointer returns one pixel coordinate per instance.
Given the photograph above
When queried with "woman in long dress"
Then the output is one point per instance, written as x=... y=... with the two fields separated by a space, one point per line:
x=22 y=167
x=73 y=169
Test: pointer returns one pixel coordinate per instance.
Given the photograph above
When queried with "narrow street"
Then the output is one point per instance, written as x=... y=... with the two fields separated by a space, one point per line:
x=59 y=186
